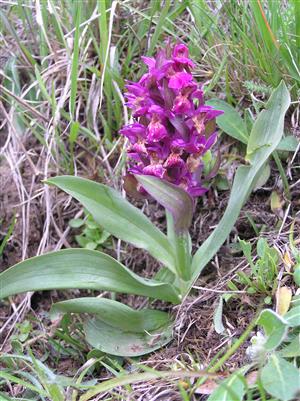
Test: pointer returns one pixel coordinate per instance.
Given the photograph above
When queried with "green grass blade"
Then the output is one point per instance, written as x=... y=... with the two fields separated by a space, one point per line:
x=263 y=25
x=75 y=59
x=26 y=54
x=14 y=379
x=132 y=378
x=296 y=4
x=7 y=235
x=159 y=26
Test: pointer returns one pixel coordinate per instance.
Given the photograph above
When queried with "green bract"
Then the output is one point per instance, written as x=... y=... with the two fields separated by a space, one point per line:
x=116 y=328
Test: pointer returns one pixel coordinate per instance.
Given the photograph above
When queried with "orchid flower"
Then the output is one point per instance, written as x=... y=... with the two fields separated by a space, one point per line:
x=169 y=137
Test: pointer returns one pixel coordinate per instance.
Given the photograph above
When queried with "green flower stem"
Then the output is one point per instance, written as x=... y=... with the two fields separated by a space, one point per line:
x=182 y=253
x=183 y=257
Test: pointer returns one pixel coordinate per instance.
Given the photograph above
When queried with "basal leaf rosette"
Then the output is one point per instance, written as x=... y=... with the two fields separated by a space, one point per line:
x=173 y=128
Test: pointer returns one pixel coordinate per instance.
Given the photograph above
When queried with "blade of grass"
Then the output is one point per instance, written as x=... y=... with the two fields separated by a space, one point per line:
x=138 y=377
x=29 y=60
x=14 y=379
x=158 y=28
x=75 y=60
x=7 y=235
x=296 y=4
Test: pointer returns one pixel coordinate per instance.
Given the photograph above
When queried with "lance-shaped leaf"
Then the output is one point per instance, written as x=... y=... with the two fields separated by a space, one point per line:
x=230 y=122
x=80 y=268
x=288 y=144
x=115 y=341
x=265 y=136
x=117 y=216
x=113 y=313
x=177 y=201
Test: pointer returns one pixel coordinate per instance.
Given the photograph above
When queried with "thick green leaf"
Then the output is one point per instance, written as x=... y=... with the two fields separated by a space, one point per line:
x=232 y=388
x=263 y=177
x=292 y=350
x=177 y=201
x=280 y=378
x=79 y=268
x=113 y=313
x=117 y=216
x=293 y=317
x=267 y=129
x=288 y=144
x=275 y=328
x=115 y=341
x=265 y=136
x=230 y=122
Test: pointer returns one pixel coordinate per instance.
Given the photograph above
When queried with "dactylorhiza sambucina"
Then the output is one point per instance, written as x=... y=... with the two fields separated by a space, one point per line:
x=172 y=128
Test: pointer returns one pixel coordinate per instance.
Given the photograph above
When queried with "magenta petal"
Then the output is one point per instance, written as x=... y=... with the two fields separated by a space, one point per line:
x=157 y=68
x=141 y=111
x=134 y=156
x=181 y=105
x=197 y=191
x=195 y=144
x=135 y=89
x=184 y=61
x=134 y=131
x=166 y=65
x=154 y=169
x=211 y=141
x=149 y=61
x=155 y=109
x=160 y=149
x=181 y=54
x=209 y=111
x=137 y=151
x=156 y=132
x=178 y=143
x=180 y=50
x=176 y=168
x=144 y=79
x=137 y=169
x=179 y=80
x=198 y=94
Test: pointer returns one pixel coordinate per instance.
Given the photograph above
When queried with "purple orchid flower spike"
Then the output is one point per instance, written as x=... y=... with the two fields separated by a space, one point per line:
x=173 y=126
